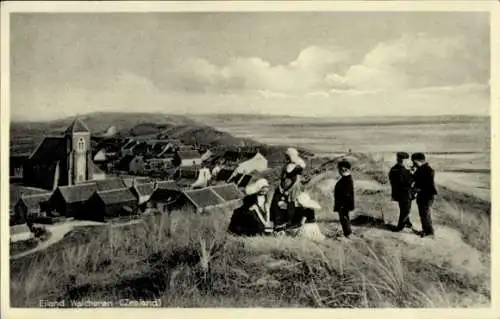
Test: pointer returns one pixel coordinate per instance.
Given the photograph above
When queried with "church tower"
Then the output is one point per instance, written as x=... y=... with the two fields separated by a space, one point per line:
x=77 y=137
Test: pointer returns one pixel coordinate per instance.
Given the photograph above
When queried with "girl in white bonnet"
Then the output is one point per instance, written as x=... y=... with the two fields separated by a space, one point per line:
x=285 y=196
x=252 y=218
x=303 y=222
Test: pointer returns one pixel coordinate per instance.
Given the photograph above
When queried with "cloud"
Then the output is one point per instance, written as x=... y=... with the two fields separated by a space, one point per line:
x=408 y=62
x=303 y=75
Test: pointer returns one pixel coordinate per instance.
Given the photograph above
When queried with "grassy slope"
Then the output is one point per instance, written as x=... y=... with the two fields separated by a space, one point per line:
x=194 y=263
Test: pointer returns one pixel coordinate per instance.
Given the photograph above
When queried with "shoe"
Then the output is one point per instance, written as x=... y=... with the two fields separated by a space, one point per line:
x=409 y=225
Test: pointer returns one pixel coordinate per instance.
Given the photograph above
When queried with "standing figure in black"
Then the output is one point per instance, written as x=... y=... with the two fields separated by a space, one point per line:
x=344 y=196
x=401 y=181
x=426 y=191
x=284 y=199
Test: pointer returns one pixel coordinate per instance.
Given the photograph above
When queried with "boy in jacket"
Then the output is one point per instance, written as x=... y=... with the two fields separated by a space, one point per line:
x=401 y=181
x=344 y=196
x=426 y=190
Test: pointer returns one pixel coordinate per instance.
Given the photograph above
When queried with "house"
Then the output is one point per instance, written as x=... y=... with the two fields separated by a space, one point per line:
x=237 y=155
x=110 y=183
x=70 y=201
x=103 y=205
x=204 y=177
x=130 y=180
x=61 y=160
x=17 y=191
x=171 y=147
x=124 y=163
x=187 y=158
x=186 y=176
x=165 y=196
x=228 y=192
x=110 y=148
x=224 y=174
x=143 y=191
x=241 y=180
x=258 y=163
x=201 y=200
x=100 y=156
x=158 y=164
x=97 y=173
x=137 y=165
x=126 y=149
x=140 y=149
x=31 y=206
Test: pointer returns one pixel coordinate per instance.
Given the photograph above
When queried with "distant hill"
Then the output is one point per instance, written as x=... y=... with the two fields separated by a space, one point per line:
x=25 y=136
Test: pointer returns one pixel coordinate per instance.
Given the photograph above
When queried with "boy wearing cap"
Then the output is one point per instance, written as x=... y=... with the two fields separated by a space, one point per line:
x=426 y=190
x=401 y=181
x=344 y=196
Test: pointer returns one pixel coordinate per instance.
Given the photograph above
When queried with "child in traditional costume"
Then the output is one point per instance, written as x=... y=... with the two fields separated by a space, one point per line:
x=303 y=223
x=285 y=195
x=253 y=218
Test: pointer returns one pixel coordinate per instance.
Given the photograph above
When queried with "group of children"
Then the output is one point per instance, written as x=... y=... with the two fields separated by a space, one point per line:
x=290 y=210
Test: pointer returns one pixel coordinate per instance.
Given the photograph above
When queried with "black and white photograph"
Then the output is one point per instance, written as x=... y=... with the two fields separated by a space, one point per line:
x=248 y=158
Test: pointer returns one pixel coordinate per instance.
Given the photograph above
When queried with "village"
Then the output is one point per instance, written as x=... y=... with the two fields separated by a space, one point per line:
x=81 y=176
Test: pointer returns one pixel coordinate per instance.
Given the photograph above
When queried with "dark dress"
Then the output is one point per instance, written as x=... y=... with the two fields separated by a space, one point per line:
x=344 y=202
x=401 y=181
x=285 y=192
x=245 y=221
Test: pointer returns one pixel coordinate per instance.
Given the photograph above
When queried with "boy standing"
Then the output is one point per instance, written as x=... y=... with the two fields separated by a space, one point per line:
x=344 y=196
x=426 y=190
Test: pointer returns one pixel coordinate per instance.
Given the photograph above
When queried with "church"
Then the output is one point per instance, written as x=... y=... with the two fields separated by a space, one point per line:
x=62 y=160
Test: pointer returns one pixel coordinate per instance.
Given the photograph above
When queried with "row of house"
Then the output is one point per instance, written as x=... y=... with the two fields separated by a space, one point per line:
x=103 y=200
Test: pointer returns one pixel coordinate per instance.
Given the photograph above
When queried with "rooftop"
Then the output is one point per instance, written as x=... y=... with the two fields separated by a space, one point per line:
x=77 y=126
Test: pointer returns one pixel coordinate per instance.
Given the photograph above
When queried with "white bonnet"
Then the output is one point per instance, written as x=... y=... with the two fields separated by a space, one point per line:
x=257 y=186
x=306 y=201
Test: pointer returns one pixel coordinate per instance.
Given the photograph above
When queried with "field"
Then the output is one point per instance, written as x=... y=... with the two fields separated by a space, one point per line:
x=457 y=147
x=191 y=261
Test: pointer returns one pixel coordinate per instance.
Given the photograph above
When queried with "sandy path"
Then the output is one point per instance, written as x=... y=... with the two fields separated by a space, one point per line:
x=451 y=251
x=58 y=231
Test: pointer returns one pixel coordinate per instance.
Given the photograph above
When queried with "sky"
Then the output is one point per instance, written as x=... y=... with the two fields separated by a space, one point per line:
x=293 y=63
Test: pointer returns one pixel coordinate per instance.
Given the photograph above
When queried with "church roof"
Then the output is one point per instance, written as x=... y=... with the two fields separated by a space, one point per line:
x=50 y=150
x=77 y=126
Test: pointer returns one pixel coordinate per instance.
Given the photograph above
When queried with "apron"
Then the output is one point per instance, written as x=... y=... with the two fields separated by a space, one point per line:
x=263 y=215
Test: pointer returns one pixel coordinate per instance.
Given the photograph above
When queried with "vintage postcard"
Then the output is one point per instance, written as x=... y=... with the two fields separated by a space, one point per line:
x=169 y=157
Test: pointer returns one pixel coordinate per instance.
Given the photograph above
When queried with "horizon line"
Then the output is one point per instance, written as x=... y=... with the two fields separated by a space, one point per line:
x=245 y=114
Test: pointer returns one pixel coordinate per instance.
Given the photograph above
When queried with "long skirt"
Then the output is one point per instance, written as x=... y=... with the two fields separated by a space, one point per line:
x=280 y=216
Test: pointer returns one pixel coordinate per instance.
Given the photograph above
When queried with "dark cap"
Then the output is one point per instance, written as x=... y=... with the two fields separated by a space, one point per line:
x=402 y=155
x=418 y=157
x=344 y=164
